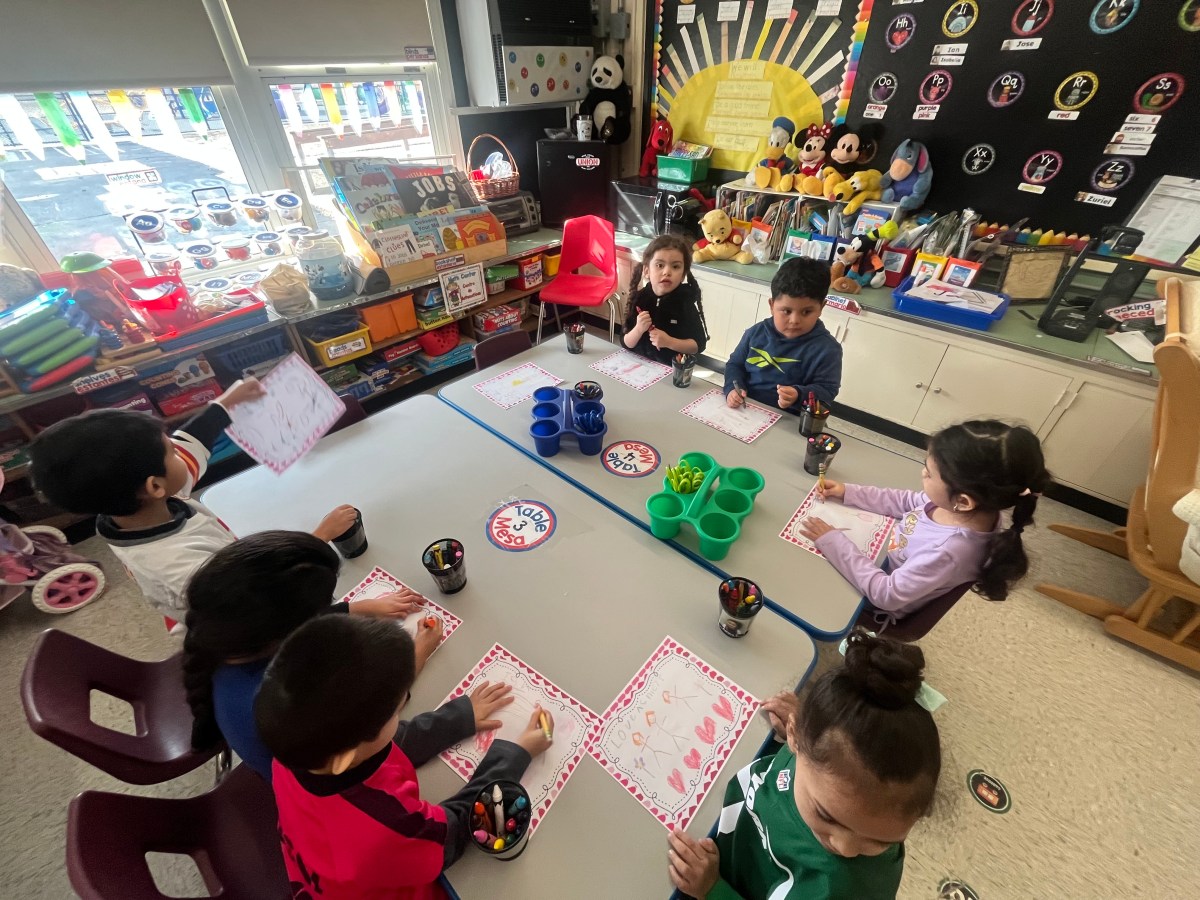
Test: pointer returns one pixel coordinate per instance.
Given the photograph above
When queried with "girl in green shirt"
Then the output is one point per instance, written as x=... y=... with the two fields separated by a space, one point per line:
x=825 y=818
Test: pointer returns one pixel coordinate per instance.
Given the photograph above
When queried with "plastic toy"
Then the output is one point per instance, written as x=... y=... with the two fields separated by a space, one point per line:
x=775 y=171
x=39 y=557
x=720 y=240
x=715 y=508
x=909 y=177
x=858 y=189
x=94 y=286
x=858 y=263
x=811 y=157
x=559 y=412
x=849 y=149
x=662 y=137
x=47 y=339
x=609 y=101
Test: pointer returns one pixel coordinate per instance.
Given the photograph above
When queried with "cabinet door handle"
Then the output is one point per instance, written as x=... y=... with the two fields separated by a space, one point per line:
x=919 y=384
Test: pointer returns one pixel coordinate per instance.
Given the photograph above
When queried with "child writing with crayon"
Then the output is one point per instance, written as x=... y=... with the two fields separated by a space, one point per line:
x=825 y=817
x=789 y=357
x=950 y=533
x=352 y=820
x=666 y=316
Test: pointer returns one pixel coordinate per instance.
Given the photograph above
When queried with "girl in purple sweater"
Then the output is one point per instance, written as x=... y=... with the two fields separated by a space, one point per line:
x=952 y=532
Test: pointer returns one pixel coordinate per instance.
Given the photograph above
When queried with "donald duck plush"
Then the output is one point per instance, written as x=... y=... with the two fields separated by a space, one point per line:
x=776 y=171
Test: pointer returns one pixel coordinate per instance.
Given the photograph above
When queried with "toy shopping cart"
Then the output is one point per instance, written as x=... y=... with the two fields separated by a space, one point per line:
x=39 y=557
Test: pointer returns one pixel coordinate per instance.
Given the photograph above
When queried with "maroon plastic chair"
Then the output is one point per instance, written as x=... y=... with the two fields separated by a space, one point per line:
x=589 y=242
x=914 y=627
x=59 y=676
x=496 y=349
x=354 y=413
x=231 y=833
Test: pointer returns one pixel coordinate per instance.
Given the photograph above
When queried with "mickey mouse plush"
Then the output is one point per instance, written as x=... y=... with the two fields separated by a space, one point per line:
x=609 y=101
x=850 y=149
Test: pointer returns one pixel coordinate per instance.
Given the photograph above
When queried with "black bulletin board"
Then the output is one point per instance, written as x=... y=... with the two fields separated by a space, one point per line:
x=1125 y=45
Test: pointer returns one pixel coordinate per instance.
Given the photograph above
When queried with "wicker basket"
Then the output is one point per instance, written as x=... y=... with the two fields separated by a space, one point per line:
x=494 y=188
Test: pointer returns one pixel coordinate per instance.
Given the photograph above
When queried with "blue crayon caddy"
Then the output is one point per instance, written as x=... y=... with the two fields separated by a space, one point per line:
x=560 y=412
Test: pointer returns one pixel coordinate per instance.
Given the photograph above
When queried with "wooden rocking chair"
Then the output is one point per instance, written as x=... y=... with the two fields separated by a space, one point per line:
x=1153 y=538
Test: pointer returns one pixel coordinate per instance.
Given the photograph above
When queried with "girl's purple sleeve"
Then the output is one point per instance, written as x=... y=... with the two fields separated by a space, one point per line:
x=885 y=501
x=924 y=576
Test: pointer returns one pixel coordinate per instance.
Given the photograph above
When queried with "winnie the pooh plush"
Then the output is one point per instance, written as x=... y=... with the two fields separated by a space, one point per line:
x=858 y=189
x=720 y=240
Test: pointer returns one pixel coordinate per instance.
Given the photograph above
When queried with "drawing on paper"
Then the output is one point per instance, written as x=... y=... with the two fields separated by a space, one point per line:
x=380 y=582
x=573 y=725
x=631 y=370
x=668 y=734
x=516 y=385
x=868 y=531
x=746 y=423
x=279 y=428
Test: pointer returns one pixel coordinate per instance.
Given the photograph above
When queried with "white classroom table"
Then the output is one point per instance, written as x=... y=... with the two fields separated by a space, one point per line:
x=799 y=584
x=586 y=609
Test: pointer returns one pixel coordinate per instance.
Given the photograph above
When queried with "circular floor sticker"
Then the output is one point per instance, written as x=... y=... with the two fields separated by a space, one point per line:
x=988 y=791
x=630 y=459
x=521 y=525
x=956 y=890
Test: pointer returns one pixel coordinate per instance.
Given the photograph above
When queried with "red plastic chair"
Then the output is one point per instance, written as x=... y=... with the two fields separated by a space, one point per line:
x=231 y=833
x=916 y=626
x=587 y=240
x=55 y=690
x=501 y=347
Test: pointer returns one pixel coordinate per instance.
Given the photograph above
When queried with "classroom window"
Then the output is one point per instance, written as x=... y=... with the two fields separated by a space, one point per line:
x=386 y=117
x=80 y=163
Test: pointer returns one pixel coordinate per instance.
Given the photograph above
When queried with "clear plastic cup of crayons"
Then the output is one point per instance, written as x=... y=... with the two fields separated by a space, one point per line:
x=740 y=600
x=574 y=333
x=446 y=562
x=682 y=365
x=813 y=416
x=500 y=820
x=818 y=456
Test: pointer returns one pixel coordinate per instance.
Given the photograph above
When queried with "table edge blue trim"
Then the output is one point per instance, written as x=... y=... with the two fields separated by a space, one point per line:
x=699 y=560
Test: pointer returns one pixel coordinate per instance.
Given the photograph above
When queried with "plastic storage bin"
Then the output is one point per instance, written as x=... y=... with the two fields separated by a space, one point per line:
x=558 y=413
x=342 y=348
x=682 y=171
x=941 y=312
x=380 y=321
x=715 y=510
x=235 y=358
x=405 y=313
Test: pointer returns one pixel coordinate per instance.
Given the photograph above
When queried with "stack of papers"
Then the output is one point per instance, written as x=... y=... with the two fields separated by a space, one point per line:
x=953 y=295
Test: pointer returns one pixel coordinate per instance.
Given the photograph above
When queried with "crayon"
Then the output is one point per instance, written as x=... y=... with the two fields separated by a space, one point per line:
x=483 y=837
x=511 y=826
x=517 y=805
x=431 y=621
x=544 y=722
x=498 y=803
x=499 y=844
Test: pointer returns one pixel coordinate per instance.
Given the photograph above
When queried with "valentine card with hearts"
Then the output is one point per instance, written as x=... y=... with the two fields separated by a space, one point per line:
x=667 y=735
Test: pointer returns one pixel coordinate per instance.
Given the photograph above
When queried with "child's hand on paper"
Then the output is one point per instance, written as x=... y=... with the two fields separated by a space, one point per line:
x=694 y=866
x=429 y=635
x=336 y=523
x=533 y=738
x=788 y=395
x=242 y=391
x=397 y=605
x=779 y=710
x=736 y=398
x=488 y=699
x=834 y=490
x=813 y=528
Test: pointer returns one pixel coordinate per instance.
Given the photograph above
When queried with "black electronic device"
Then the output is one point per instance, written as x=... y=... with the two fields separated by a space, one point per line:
x=1073 y=312
x=520 y=214
x=647 y=207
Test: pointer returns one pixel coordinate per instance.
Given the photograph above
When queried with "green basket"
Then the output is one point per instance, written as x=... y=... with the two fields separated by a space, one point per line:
x=715 y=511
x=682 y=171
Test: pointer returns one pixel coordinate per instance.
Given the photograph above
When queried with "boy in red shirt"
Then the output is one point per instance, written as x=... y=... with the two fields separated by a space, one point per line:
x=351 y=818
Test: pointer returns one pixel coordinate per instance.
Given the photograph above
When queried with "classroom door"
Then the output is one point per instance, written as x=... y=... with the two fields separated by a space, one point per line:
x=886 y=372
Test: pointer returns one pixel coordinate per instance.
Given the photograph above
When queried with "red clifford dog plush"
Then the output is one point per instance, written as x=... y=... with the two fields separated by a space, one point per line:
x=662 y=137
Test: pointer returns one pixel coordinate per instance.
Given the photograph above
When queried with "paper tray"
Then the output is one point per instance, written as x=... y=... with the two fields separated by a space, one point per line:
x=942 y=312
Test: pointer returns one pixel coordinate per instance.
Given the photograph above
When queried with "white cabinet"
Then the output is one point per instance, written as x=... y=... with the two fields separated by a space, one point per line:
x=970 y=385
x=728 y=312
x=885 y=372
x=1099 y=443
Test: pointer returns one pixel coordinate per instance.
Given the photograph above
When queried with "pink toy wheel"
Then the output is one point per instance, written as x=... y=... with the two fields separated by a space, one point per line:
x=67 y=588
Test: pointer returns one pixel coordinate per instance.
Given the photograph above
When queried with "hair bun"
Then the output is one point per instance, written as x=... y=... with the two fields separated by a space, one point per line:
x=887 y=673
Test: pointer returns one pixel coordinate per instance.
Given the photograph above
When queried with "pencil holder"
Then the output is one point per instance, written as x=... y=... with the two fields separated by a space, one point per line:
x=558 y=412
x=681 y=374
x=446 y=562
x=574 y=334
x=353 y=541
x=715 y=508
x=589 y=390
x=821 y=450
x=812 y=420
x=739 y=600
x=500 y=818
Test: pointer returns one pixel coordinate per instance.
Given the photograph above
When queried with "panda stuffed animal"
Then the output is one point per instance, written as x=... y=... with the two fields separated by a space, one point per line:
x=609 y=100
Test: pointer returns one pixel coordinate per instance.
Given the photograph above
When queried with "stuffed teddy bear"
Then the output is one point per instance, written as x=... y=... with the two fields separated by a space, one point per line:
x=720 y=240
x=858 y=264
x=909 y=177
x=662 y=138
x=775 y=171
x=849 y=149
x=858 y=189
x=609 y=100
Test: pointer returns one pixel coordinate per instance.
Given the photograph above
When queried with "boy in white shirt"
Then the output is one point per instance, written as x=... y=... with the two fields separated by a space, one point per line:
x=122 y=467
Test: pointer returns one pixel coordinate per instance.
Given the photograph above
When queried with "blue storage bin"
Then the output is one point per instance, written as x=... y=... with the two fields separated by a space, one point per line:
x=941 y=312
x=233 y=358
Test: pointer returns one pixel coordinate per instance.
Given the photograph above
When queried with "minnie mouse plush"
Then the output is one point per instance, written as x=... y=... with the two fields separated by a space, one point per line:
x=811 y=158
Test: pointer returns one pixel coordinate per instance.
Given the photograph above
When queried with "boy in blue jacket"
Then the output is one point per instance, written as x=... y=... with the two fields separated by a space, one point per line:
x=780 y=360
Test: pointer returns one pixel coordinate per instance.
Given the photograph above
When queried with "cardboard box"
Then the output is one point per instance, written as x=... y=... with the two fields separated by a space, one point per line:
x=497 y=319
x=182 y=386
x=529 y=272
